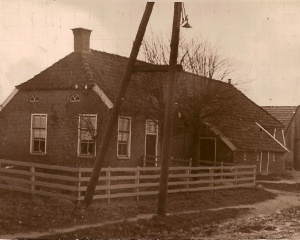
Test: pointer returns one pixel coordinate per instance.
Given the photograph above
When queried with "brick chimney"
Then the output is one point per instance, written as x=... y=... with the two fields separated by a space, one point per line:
x=81 y=39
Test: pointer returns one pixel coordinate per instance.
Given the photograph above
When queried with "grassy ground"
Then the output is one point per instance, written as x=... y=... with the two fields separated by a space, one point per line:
x=181 y=226
x=23 y=213
x=295 y=187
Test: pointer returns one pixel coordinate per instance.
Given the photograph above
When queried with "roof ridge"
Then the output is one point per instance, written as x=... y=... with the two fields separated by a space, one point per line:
x=87 y=69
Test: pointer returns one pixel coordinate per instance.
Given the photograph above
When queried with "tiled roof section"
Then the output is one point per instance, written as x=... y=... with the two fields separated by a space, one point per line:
x=284 y=114
x=234 y=115
x=227 y=109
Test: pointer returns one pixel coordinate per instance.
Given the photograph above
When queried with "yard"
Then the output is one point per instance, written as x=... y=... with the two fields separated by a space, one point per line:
x=21 y=213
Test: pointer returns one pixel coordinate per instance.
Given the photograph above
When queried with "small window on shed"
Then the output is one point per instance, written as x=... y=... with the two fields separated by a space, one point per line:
x=274 y=157
x=74 y=98
x=34 y=98
x=245 y=156
x=257 y=156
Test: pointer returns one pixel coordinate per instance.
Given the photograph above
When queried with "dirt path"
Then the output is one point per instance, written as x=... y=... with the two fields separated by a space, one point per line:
x=282 y=201
x=265 y=220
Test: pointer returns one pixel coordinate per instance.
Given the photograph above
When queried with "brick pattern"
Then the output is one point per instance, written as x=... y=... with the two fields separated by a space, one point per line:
x=62 y=129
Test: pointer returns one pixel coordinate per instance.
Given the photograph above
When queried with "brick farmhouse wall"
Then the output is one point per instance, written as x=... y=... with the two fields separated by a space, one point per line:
x=62 y=128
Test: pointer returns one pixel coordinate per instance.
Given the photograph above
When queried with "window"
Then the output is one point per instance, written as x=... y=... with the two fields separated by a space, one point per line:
x=274 y=157
x=34 y=98
x=124 y=136
x=257 y=156
x=74 y=98
x=151 y=143
x=38 y=133
x=87 y=131
x=245 y=156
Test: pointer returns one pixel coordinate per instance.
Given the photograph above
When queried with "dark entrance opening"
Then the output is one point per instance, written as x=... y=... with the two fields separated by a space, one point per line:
x=207 y=149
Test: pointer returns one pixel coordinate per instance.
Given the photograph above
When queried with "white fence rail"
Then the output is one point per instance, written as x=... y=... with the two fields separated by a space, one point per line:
x=71 y=183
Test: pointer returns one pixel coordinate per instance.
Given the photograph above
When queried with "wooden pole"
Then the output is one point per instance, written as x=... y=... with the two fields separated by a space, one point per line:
x=169 y=109
x=101 y=153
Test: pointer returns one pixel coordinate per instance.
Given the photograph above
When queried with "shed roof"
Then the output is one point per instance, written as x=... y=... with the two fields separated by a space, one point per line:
x=284 y=114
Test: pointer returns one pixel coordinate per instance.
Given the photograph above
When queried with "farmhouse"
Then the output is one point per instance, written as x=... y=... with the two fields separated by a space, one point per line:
x=58 y=117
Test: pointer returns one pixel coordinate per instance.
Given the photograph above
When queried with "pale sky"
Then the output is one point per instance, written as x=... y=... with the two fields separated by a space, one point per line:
x=261 y=37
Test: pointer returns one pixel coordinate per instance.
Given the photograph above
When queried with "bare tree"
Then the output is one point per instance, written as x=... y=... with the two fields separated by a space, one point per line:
x=200 y=57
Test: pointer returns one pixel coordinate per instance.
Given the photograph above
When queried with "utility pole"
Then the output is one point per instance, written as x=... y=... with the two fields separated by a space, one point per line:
x=101 y=153
x=169 y=109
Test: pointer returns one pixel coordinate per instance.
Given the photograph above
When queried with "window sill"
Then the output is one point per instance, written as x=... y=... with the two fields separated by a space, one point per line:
x=123 y=158
x=36 y=153
x=85 y=156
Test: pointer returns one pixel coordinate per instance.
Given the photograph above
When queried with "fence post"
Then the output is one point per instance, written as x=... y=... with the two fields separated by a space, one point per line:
x=144 y=160
x=211 y=178
x=187 y=179
x=32 y=179
x=78 y=185
x=108 y=174
x=236 y=177
x=222 y=170
x=254 y=174
x=137 y=181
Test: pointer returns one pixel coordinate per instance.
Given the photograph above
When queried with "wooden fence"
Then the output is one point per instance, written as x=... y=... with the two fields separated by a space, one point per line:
x=71 y=183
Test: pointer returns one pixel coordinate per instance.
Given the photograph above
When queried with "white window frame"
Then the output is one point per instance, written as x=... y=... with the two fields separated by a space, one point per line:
x=31 y=134
x=74 y=98
x=79 y=154
x=151 y=133
x=34 y=98
x=129 y=139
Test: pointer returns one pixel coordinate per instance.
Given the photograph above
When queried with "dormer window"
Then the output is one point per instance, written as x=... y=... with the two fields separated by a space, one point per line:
x=34 y=98
x=74 y=98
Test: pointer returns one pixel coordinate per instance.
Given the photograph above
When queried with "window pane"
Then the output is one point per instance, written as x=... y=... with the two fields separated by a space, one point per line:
x=86 y=147
x=36 y=145
x=43 y=122
x=83 y=148
x=42 y=134
x=151 y=127
x=125 y=137
x=36 y=133
x=122 y=149
x=36 y=122
x=42 y=146
x=124 y=124
x=85 y=135
x=88 y=122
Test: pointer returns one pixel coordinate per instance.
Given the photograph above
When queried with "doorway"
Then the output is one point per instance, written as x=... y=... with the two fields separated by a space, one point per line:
x=207 y=150
x=151 y=141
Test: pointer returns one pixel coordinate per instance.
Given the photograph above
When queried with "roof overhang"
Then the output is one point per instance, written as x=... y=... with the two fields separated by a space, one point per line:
x=103 y=96
x=8 y=99
x=271 y=136
x=218 y=133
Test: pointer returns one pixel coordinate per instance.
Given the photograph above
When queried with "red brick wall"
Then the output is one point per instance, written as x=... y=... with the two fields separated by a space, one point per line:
x=62 y=129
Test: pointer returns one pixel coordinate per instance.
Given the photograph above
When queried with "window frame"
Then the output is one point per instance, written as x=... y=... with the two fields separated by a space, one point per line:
x=153 y=134
x=31 y=134
x=79 y=140
x=129 y=139
x=34 y=98
x=74 y=98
